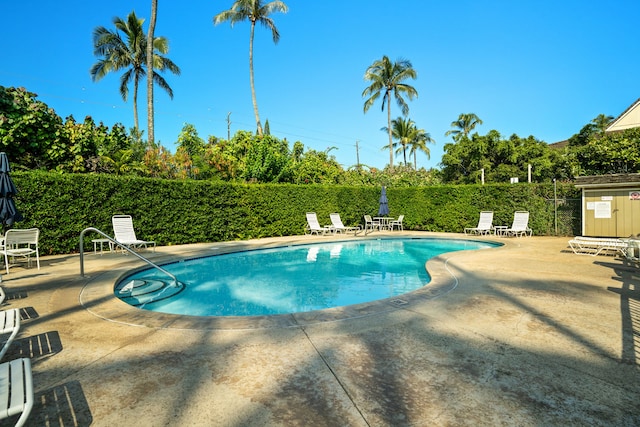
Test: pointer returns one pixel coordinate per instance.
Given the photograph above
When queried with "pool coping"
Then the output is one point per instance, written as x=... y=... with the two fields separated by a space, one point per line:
x=97 y=296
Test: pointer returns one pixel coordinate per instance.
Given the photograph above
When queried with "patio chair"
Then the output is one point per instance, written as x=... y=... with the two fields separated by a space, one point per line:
x=397 y=223
x=339 y=227
x=581 y=245
x=126 y=235
x=21 y=243
x=371 y=224
x=16 y=389
x=9 y=325
x=520 y=225
x=485 y=224
x=314 y=227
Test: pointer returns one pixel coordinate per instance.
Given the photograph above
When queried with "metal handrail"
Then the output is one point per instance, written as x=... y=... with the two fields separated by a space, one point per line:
x=115 y=242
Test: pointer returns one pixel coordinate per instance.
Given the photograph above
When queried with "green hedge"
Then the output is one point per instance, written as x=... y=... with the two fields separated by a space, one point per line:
x=175 y=212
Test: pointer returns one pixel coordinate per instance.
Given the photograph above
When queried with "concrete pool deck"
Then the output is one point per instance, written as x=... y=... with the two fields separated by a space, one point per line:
x=527 y=334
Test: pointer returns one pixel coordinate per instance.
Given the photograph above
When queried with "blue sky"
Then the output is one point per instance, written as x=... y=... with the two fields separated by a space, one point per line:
x=543 y=68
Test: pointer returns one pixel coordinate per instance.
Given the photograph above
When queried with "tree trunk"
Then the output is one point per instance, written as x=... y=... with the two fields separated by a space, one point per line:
x=389 y=129
x=135 y=104
x=150 y=113
x=253 y=88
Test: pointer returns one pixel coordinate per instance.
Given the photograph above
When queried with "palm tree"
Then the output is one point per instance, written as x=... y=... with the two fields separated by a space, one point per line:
x=602 y=122
x=387 y=77
x=403 y=131
x=150 y=113
x=117 y=54
x=419 y=143
x=253 y=11
x=463 y=126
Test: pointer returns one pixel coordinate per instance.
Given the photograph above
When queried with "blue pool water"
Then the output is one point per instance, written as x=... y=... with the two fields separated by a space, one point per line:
x=299 y=278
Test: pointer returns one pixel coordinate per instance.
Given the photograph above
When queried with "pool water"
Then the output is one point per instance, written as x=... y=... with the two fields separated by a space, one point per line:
x=300 y=278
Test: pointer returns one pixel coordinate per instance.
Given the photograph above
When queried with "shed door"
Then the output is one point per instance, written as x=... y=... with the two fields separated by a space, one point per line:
x=609 y=213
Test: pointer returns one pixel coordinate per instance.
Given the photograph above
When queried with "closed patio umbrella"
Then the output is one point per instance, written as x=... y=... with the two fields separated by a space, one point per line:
x=384 y=203
x=8 y=212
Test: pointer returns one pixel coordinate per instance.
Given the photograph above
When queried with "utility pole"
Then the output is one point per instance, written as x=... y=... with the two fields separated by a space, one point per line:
x=228 y=126
x=357 y=156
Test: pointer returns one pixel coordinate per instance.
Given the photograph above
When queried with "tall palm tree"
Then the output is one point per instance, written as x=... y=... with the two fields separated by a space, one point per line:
x=116 y=54
x=253 y=11
x=387 y=78
x=150 y=31
x=463 y=126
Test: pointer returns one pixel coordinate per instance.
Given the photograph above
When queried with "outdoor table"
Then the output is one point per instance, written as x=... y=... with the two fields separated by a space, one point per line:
x=384 y=222
x=101 y=242
x=499 y=230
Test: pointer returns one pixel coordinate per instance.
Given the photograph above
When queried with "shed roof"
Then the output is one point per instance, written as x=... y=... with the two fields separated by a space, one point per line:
x=608 y=181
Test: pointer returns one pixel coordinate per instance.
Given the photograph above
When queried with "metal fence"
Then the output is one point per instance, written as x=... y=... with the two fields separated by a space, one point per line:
x=566 y=217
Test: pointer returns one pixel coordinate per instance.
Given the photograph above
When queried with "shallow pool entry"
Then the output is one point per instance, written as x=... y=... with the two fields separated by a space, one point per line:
x=291 y=279
x=138 y=292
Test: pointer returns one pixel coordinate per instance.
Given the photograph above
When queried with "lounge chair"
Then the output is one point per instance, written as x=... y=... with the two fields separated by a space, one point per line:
x=397 y=223
x=520 y=225
x=581 y=245
x=314 y=227
x=339 y=227
x=21 y=243
x=370 y=224
x=16 y=389
x=126 y=235
x=9 y=325
x=485 y=224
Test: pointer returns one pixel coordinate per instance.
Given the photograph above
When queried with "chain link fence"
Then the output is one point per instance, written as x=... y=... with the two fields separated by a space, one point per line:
x=566 y=217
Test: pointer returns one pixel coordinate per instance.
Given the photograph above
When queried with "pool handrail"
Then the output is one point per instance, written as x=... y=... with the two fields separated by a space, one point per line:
x=124 y=247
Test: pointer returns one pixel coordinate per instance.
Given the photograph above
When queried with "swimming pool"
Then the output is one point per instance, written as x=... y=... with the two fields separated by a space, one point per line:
x=299 y=278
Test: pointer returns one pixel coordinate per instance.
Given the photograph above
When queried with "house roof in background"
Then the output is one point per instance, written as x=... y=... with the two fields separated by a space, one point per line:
x=612 y=180
x=630 y=118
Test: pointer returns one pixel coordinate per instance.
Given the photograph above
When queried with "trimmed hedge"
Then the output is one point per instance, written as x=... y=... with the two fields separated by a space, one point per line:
x=173 y=212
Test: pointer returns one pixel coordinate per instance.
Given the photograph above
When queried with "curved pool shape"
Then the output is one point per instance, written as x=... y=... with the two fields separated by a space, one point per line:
x=292 y=279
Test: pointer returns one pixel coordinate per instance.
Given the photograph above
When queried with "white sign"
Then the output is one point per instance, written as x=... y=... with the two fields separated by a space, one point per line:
x=603 y=210
x=634 y=195
x=608 y=198
x=591 y=206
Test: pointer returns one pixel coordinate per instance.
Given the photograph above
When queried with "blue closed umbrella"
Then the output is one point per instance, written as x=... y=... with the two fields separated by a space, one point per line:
x=384 y=203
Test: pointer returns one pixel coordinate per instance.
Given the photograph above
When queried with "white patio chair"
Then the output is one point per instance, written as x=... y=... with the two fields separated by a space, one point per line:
x=314 y=227
x=125 y=234
x=520 y=225
x=371 y=224
x=339 y=227
x=485 y=224
x=16 y=389
x=21 y=243
x=397 y=223
x=581 y=245
x=9 y=325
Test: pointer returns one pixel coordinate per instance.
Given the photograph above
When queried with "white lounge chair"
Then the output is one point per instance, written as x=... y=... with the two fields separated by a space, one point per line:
x=582 y=245
x=9 y=325
x=370 y=224
x=125 y=234
x=21 y=243
x=485 y=224
x=339 y=227
x=520 y=225
x=16 y=389
x=397 y=223
x=314 y=227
